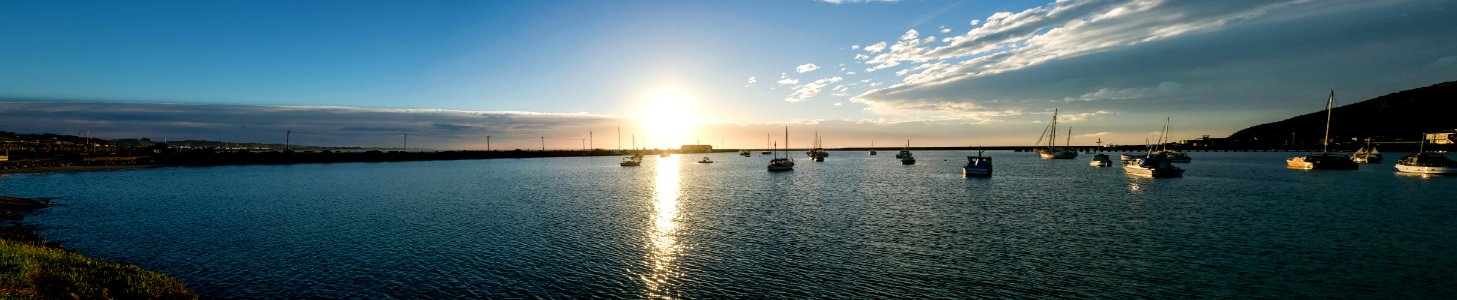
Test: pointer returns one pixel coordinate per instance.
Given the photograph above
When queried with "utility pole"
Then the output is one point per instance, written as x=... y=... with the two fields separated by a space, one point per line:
x=407 y=142
x=591 y=141
x=619 y=138
x=488 y=143
x=543 y=144
x=287 y=135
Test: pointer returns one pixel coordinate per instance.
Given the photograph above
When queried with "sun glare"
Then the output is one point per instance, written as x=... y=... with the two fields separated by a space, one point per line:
x=669 y=120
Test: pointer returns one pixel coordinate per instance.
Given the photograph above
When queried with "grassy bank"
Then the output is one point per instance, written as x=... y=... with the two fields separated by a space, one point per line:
x=38 y=272
x=32 y=269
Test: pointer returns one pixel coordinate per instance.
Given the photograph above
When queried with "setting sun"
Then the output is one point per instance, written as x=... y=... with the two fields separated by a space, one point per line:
x=669 y=120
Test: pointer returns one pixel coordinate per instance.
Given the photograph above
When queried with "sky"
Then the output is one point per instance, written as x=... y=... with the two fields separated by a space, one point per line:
x=729 y=73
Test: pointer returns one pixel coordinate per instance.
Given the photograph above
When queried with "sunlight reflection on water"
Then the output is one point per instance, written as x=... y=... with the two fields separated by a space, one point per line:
x=663 y=238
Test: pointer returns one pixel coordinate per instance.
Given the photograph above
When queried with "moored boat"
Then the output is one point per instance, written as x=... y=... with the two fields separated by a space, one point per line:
x=1052 y=151
x=705 y=160
x=1325 y=160
x=905 y=155
x=1426 y=163
x=977 y=166
x=1153 y=166
x=785 y=163
x=1367 y=155
x=631 y=161
x=1100 y=160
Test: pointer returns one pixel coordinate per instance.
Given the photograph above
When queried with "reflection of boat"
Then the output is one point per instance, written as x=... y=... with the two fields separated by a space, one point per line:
x=1153 y=166
x=665 y=154
x=705 y=160
x=1368 y=154
x=1052 y=151
x=782 y=164
x=1325 y=160
x=905 y=156
x=1424 y=162
x=631 y=161
x=977 y=166
x=872 y=147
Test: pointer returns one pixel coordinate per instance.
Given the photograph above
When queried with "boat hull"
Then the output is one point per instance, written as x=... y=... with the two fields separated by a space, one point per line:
x=1426 y=169
x=1136 y=170
x=1057 y=154
x=976 y=172
x=1318 y=162
x=908 y=161
x=1100 y=163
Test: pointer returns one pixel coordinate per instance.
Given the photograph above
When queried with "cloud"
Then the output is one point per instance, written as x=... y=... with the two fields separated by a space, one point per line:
x=837 y=104
x=809 y=90
x=1182 y=56
x=1163 y=88
x=323 y=126
x=752 y=80
x=875 y=48
x=785 y=80
x=806 y=68
x=945 y=30
x=838 y=2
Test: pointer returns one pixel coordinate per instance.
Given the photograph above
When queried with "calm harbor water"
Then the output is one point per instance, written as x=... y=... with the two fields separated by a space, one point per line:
x=856 y=226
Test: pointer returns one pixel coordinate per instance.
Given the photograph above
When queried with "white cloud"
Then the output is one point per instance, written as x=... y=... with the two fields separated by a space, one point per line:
x=785 y=80
x=809 y=90
x=945 y=30
x=838 y=2
x=1163 y=88
x=837 y=104
x=875 y=48
x=1009 y=41
x=806 y=68
x=855 y=47
x=752 y=80
x=861 y=56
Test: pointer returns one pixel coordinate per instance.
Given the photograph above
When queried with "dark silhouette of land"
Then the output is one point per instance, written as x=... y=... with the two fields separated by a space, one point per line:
x=1397 y=117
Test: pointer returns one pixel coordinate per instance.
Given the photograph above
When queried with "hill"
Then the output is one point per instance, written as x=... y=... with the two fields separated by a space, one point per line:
x=1400 y=116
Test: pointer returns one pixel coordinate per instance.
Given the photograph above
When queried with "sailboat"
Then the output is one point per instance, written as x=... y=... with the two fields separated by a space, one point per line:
x=1424 y=162
x=872 y=147
x=817 y=152
x=766 y=144
x=635 y=159
x=1325 y=160
x=1367 y=155
x=905 y=155
x=1100 y=159
x=1153 y=166
x=1171 y=155
x=977 y=166
x=1052 y=151
x=785 y=163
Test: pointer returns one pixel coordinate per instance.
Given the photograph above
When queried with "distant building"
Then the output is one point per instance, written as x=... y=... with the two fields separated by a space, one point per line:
x=696 y=148
x=1441 y=137
x=1205 y=142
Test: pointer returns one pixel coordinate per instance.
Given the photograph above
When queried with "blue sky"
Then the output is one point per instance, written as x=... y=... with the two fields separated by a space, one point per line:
x=943 y=72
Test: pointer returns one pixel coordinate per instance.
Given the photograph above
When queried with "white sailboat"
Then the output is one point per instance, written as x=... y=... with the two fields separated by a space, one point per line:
x=1367 y=155
x=1423 y=162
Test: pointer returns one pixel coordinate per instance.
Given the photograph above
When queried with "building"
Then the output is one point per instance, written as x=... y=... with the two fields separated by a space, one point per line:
x=696 y=149
x=1441 y=137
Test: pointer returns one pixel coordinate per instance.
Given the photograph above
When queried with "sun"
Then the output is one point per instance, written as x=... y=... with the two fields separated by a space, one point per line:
x=669 y=120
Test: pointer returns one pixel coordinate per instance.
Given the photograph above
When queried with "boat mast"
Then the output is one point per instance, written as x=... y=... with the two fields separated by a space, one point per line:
x=1052 y=136
x=1163 y=136
x=1069 y=137
x=1329 y=102
x=786 y=141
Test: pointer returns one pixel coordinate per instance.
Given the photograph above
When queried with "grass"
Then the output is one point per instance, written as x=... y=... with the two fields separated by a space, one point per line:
x=38 y=272
x=33 y=269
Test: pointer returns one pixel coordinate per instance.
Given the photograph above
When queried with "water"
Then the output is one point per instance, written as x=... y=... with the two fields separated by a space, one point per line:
x=856 y=226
